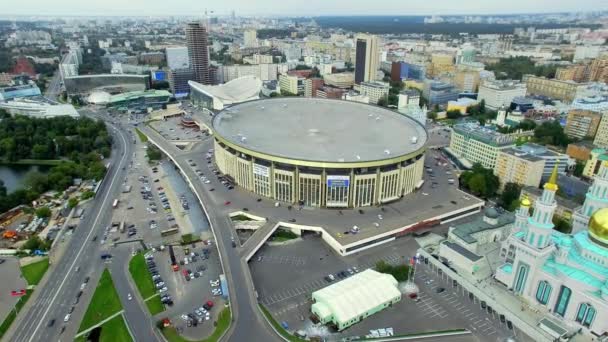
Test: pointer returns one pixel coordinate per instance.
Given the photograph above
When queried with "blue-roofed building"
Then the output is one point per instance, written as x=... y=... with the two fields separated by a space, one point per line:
x=20 y=91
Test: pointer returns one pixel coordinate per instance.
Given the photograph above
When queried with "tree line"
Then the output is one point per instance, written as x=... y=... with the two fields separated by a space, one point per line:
x=80 y=144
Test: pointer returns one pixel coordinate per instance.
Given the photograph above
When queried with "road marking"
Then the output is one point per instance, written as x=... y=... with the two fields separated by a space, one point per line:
x=69 y=272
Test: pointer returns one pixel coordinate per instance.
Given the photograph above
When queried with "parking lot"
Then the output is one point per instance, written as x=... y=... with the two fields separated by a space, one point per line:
x=171 y=129
x=440 y=296
x=285 y=277
x=11 y=281
x=193 y=284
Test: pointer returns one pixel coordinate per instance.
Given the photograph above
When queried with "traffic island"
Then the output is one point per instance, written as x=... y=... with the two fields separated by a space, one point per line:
x=221 y=325
x=143 y=281
x=105 y=303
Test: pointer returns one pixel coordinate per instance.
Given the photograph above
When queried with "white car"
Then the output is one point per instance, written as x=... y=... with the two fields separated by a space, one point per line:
x=82 y=286
x=129 y=296
x=424 y=194
x=66 y=318
x=184 y=317
x=164 y=289
x=214 y=282
x=207 y=182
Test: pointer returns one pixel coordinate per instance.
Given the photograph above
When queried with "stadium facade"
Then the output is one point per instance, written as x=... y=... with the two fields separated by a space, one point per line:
x=111 y=83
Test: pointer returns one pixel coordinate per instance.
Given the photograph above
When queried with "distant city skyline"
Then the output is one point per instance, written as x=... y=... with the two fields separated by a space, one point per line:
x=294 y=8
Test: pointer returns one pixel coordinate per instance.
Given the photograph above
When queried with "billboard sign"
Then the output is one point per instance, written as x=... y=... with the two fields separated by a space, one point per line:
x=160 y=75
x=261 y=170
x=338 y=181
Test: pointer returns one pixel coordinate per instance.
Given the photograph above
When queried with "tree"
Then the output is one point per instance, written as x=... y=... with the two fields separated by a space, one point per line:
x=43 y=212
x=72 y=202
x=453 y=114
x=551 y=133
x=35 y=243
x=482 y=106
x=37 y=181
x=509 y=198
x=477 y=184
x=383 y=102
x=153 y=153
x=561 y=225
x=579 y=168
x=431 y=115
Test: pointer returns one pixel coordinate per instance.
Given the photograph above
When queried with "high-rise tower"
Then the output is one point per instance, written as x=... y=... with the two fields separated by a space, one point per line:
x=366 y=58
x=198 y=52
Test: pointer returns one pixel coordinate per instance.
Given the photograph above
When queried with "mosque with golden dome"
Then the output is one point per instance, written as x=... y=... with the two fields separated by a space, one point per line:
x=565 y=275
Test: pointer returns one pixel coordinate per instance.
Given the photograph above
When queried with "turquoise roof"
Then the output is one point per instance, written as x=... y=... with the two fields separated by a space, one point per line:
x=556 y=269
x=508 y=268
x=582 y=239
x=520 y=235
x=541 y=225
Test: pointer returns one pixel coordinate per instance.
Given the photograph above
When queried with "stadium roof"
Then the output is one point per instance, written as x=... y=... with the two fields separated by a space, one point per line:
x=238 y=90
x=321 y=130
x=136 y=94
x=354 y=296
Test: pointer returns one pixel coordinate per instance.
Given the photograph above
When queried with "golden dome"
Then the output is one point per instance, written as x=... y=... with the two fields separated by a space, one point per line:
x=525 y=202
x=598 y=225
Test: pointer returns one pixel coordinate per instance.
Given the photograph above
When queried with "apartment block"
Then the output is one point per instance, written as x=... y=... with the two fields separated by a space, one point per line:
x=516 y=166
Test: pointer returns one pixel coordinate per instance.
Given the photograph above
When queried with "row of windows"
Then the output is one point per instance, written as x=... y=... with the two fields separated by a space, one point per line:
x=585 y=313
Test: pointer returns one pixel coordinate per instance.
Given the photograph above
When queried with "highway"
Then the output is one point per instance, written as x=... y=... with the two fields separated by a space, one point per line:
x=247 y=318
x=54 y=87
x=54 y=296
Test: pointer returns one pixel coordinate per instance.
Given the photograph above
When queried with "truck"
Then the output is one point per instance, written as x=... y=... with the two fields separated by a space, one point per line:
x=174 y=264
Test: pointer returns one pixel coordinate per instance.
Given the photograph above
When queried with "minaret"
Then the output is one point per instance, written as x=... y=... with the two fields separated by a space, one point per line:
x=522 y=215
x=595 y=199
x=540 y=225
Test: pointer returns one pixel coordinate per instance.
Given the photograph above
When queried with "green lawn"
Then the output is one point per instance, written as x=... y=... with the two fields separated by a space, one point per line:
x=155 y=305
x=114 y=330
x=11 y=316
x=141 y=276
x=105 y=302
x=141 y=135
x=223 y=323
x=34 y=272
x=279 y=328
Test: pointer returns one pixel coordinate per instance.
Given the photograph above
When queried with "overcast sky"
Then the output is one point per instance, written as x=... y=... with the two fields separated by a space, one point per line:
x=296 y=7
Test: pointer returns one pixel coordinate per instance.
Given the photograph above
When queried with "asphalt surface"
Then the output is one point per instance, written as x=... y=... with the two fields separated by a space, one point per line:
x=247 y=318
x=53 y=298
x=54 y=87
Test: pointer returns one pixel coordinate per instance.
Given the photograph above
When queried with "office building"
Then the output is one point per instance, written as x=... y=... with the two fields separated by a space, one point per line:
x=327 y=92
x=178 y=81
x=558 y=90
x=582 y=123
x=265 y=72
x=152 y=58
x=598 y=69
x=340 y=80
x=596 y=158
x=472 y=143
x=399 y=71
x=366 y=58
x=467 y=81
x=291 y=84
x=375 y=91
x=499 y=94
x=516 y=166
x=257 y=58
x=177 y=57
x=439 y=93
x=550 y=157
x=407 y=97
x=250 y=38
x=462 y=105
x=580 y=151
x=441 y=63
x=198 y=52
x=601 y=135
x=311 y=85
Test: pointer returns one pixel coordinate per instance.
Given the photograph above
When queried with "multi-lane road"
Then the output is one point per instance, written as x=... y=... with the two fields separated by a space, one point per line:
x=57 y=293
x=247 y=318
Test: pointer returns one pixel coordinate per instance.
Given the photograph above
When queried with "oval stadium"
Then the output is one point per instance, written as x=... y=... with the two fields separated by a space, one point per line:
x=320 y=152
